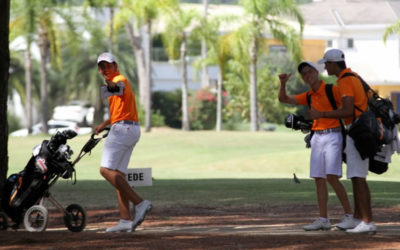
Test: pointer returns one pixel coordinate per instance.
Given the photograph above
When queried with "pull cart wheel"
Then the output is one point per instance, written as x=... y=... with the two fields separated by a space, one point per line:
x=3 y=221
x=36 y=218
x=75 y=218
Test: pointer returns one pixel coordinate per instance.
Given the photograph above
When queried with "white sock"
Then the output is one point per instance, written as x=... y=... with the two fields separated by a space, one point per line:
x=125 y=221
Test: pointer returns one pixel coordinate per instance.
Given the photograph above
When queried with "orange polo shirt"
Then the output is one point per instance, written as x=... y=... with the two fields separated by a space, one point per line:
x=123 y=107
x=320 y=102
x=352 y=86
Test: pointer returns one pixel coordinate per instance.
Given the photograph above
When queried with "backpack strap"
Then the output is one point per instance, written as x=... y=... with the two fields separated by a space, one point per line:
x=365 y=85
x=329 y=94
x=308 y=100
x=331 y=98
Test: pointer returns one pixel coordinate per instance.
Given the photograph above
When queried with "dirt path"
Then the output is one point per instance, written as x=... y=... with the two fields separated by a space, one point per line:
x=276 y=227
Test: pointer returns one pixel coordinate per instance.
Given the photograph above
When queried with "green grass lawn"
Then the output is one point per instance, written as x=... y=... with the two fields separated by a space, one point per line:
x=208 y=167
x=173 y=154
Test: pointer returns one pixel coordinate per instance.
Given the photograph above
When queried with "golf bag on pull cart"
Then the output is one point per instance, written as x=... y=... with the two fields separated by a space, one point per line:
x=24 y=193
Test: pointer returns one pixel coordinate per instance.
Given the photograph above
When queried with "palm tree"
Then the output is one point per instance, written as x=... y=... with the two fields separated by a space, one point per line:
x=176 y=35
x=4 y=68
x=34 y=21
x=268 y=13
x=144 y=13
x=125 y=17
x=219 y=53
x=109 y=32
x=110 y=5
x=49 y=46
x=24 y=13
x=43 y=16
x=79 y=75
x=205 y=78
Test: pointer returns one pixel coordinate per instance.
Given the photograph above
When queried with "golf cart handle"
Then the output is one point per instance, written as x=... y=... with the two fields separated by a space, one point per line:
x=104 y=135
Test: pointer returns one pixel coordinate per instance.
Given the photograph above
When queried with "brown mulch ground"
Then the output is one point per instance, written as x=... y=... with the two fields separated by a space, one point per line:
x=277 y=227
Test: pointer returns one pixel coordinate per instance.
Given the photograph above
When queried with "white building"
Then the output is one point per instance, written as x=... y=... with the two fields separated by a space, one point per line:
x=357 y=27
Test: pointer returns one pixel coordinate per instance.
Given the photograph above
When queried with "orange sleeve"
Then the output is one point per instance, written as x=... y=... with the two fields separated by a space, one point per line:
x=351 y=86
x=346 y=86
x=302 y=98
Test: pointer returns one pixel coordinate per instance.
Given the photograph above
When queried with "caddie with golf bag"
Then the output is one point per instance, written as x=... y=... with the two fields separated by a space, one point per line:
x=356 y=111
x=325 y=141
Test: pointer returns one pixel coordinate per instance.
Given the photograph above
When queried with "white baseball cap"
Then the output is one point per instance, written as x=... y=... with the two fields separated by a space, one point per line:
x=308 y=63
x=108 y=57
x=332 y=55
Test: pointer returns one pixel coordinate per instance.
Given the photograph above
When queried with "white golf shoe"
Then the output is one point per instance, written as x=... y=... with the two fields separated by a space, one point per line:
x=141 y=211
x=318 y=224
x=122 y=226
x=348 y=222
x=363 y=228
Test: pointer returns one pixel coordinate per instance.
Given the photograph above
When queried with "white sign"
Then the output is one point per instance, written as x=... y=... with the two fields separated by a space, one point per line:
x=137 y=177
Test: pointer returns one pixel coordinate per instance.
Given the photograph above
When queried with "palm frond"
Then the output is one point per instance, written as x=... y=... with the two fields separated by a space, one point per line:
x=392 y=29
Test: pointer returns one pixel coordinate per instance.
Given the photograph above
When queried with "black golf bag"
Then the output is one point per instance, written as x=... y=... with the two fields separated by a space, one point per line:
x=48 y=162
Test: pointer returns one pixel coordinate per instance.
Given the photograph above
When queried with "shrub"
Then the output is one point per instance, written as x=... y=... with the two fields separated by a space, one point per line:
x=202 y=109
x=168 y=104
x=157 y=119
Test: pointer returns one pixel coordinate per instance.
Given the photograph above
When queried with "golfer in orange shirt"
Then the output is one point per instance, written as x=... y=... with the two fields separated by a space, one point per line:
x=326 y=145
x=122 y=138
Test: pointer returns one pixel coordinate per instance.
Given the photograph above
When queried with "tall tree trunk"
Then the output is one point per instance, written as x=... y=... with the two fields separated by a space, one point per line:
x=185 y=114
x=253 y=86
x=110 y=41
x=219 y=100
x=4 y=68
x=136 y=43
x=98 y=116
x=205 y=78
x=28 y=84
x=147 y=91
x=44 y=46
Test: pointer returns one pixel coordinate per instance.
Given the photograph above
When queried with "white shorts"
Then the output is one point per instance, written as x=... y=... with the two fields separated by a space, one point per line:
x=119 y=145
x=326 y=155
x=356 y=167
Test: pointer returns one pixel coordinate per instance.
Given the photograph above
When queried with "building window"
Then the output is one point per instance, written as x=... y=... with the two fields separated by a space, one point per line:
x=350 y=43
x=329 y=43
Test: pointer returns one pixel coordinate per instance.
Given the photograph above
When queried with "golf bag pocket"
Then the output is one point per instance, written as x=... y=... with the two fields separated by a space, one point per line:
x=40 y=164
x=377 y=167
x=15 y=185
